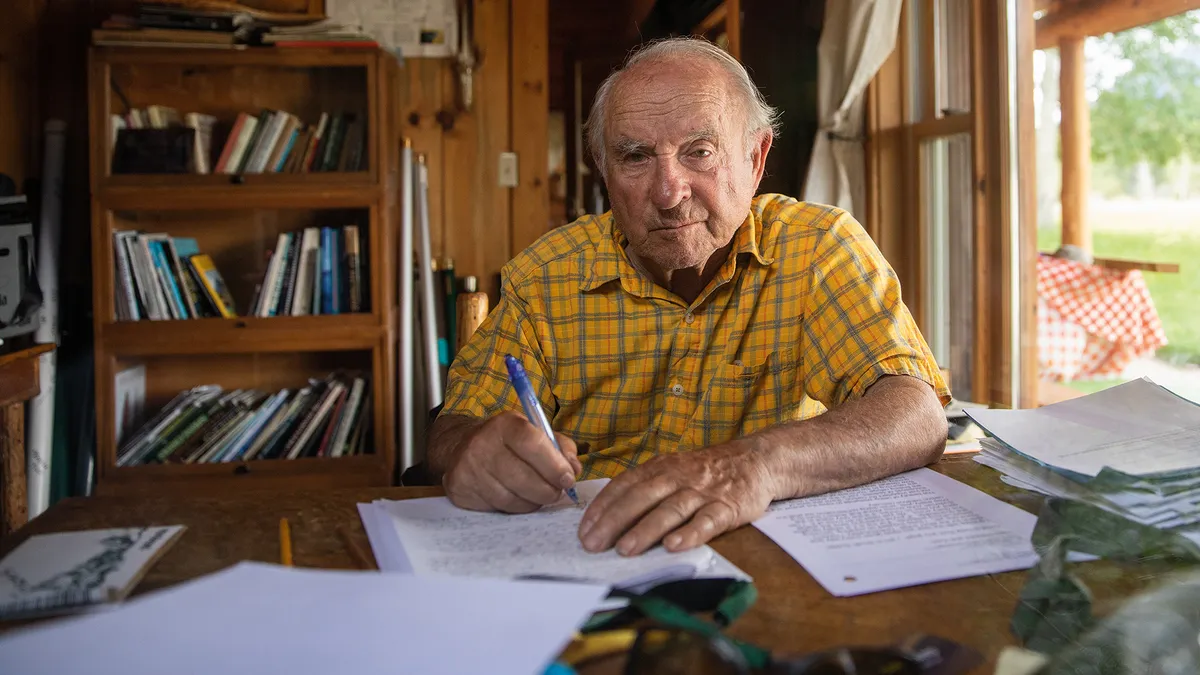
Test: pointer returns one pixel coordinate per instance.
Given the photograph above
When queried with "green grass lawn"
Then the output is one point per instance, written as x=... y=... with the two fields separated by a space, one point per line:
x=1175 y=295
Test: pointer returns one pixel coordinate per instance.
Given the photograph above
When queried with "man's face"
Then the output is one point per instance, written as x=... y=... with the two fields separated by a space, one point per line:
x=681 y=173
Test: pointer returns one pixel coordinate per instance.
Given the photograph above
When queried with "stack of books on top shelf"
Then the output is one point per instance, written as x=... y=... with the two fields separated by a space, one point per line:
x=315 y=271
x=154 y=25
x=326 y=418
x=274 y=141
x=160 y=277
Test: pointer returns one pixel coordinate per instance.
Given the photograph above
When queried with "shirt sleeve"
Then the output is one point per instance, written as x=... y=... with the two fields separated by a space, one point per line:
x=856 y=326
x=477 y=382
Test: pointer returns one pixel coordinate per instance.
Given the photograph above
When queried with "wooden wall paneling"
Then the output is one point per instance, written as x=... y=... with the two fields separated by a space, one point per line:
x=477 y=209
x=422 y=93
x=530 y=123
x=19 y=89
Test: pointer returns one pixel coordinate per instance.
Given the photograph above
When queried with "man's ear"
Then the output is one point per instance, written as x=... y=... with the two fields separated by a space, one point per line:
x=758 y=155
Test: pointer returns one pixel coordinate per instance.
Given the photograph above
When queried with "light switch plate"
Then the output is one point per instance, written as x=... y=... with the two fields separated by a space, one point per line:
x=508 y=169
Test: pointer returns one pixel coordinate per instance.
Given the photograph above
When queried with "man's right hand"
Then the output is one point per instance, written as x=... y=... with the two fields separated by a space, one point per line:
x=507 y=464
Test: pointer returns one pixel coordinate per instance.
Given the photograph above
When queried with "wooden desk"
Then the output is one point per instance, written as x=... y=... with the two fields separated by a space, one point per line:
x=18 y=384
x=793 y=613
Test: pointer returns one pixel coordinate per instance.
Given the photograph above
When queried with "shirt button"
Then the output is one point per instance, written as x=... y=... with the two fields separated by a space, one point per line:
x=737 y=362
x=689 y=317
x=677 y=389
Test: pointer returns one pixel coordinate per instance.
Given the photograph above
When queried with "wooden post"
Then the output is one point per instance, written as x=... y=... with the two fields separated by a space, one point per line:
x=13 y=504
x=1076 y=144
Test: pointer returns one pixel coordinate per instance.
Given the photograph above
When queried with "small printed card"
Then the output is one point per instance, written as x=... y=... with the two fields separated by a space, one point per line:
x=72 y=571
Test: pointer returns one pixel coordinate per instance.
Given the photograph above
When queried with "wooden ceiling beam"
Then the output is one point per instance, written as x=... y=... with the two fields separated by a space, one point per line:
x=1096 y=17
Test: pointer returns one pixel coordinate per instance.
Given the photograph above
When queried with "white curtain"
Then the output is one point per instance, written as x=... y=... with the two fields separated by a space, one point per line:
x=857 y=37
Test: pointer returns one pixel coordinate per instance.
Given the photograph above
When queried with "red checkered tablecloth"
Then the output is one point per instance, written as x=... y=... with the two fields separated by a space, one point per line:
x=1092 y=321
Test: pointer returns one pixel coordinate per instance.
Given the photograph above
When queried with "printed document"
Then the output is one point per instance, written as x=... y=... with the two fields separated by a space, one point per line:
x=432 y=536
x=914 y=528
x=260 y=618
x=1138 y=428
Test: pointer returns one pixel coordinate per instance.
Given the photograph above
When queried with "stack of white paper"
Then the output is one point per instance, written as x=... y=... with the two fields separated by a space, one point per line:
x=1133 y=450
x=432 y=536
x=913 y=528
x=258 y=618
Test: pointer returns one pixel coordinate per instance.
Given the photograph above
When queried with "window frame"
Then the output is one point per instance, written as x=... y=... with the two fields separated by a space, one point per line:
x=1003 y=199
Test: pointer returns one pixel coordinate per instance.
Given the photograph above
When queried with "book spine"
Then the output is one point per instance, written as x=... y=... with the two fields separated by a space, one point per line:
x=327 y=305
x=167 y=278
x=289 y=280
x=128 y=288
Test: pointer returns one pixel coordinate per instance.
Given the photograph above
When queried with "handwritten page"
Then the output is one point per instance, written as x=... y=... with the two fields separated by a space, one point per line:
x=436 y=537
x=913 y=528
x=258 y=618
x=1138 y=428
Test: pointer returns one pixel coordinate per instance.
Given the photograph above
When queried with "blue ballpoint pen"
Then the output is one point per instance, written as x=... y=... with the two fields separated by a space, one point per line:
x=533 y=407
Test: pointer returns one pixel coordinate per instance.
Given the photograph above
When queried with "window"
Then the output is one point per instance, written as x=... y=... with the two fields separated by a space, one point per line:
x=937 y=48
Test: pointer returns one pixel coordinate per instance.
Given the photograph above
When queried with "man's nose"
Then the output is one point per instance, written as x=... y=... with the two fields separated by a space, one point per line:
x=671 y=185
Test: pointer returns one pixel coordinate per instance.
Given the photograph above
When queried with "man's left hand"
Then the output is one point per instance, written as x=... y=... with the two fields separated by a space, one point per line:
x=682 y=499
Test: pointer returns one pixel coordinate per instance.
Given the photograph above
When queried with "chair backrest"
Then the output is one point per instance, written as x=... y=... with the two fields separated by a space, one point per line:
x=472 y=310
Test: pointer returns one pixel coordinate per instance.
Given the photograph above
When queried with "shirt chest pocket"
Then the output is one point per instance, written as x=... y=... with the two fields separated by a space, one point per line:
x=743 y=397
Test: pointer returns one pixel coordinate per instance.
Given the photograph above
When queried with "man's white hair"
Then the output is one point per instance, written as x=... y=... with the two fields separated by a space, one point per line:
x=759 y=115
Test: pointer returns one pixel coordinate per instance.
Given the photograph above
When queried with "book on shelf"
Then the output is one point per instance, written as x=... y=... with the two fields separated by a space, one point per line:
x=317 y=270
x=160 y=278
x=329 y=417
x=273 y=141
x=324 y=33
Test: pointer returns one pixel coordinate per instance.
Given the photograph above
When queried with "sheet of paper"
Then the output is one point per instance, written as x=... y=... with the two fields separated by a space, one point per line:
x=914 y=528
x=1138 y=428
x=437 y=537
x=258 y=618
x=413 y=28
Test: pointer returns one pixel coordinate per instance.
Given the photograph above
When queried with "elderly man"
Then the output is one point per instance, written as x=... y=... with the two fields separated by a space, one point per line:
x=710 y=350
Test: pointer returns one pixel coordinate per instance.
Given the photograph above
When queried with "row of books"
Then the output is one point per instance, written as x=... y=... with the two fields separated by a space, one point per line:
x=274 y=141
x=317 y=270
x=206 y=424
x=161 y=278
x=277 y=141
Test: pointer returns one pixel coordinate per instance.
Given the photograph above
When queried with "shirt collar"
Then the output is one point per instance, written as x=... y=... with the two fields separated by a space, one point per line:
x=612 y=262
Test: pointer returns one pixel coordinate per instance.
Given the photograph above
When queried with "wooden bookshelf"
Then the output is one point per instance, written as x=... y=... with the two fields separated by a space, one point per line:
x=236 y=219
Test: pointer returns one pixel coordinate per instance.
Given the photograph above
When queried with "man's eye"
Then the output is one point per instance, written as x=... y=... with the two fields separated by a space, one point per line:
x=702 y=153
x=634 y=157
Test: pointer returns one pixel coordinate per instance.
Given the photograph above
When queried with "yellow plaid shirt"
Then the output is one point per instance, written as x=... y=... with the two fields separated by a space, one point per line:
x=804 y=314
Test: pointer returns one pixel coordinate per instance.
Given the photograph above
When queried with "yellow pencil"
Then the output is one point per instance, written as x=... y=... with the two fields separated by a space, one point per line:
x=285 y=543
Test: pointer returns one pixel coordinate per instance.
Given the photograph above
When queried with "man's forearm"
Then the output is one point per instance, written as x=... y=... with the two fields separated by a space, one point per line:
x=898 y=425
x=446 y=435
